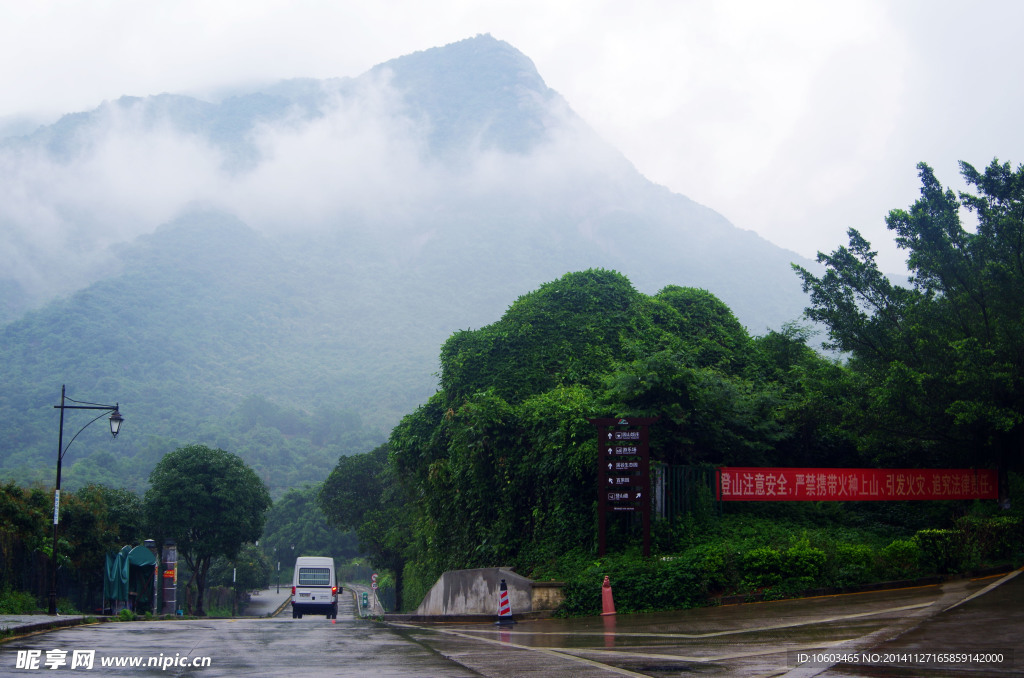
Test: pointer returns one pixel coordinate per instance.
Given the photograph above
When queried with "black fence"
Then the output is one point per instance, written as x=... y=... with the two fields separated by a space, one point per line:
x=682 y=490
x=388 y=598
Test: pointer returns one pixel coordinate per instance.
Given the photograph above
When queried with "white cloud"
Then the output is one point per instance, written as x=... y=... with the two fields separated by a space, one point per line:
x=797 y=119
x=359 y=162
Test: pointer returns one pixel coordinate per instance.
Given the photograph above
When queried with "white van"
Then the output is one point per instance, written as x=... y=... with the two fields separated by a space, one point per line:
x=314 y=588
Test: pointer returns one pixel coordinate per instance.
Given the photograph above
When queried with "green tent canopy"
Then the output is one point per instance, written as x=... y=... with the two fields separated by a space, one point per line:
x=128 y=575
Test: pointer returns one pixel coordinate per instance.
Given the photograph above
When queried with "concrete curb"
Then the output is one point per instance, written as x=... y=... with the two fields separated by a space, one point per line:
x=48 y=625
x=466 y=618
x=280 y=608
x=931 y=580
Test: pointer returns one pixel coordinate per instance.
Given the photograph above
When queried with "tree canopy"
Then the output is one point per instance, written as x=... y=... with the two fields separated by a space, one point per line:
x=209 y=502
x=941 y=361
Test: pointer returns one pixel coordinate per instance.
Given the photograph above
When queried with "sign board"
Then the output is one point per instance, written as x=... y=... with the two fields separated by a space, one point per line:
x=624 y=481
x=854 y=484
x=373 y=585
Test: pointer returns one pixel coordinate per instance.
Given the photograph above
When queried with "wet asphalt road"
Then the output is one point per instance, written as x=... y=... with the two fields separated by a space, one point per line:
x=309 y=647
x=762 y=639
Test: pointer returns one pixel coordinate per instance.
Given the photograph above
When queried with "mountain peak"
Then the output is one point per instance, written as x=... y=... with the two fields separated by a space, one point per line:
x=502 y=101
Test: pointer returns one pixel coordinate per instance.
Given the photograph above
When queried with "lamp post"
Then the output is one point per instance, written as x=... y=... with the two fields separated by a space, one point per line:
x=115 y=427
x=151 y=545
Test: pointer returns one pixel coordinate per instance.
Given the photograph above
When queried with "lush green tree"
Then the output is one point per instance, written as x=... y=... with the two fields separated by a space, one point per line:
x=94 y=520
x=362 y=493
x=704 y=327
x=814 y=397
x=569 y=331
x=25 y=538
x=297 y=527
x=943 y=359
x=249 y=570
x=209 y=502
x=97 y=520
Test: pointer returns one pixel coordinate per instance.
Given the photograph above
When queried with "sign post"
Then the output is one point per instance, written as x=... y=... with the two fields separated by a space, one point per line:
x=623 y=473
x=170 y=576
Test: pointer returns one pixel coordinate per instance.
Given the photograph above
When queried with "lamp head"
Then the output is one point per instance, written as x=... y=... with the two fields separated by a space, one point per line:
x=115 y=423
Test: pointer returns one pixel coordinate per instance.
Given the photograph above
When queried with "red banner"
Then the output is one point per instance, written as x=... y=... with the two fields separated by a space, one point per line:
x=854 y=484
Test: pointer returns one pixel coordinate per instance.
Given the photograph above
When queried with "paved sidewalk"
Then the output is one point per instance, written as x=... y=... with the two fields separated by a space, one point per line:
x=263 y=604
x=20 y=624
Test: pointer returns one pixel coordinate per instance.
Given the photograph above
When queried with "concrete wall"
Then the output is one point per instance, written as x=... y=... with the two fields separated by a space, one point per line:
x=547 y=595
x=476 y=592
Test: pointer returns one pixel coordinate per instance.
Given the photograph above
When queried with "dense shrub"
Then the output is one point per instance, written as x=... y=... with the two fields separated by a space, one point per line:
x=715 y=565
x=993 y=537
x=852 y=564
x=639 y=585
x=762 y=568
x=749 y=553
x=803 y=561
x=17 y=602
x=943 y=551
x=899 y=560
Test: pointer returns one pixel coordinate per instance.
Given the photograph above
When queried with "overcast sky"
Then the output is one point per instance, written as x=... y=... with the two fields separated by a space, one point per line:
x=793 y=119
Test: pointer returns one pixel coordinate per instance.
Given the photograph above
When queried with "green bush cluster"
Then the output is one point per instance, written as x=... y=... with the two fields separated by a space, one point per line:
x=17 y=602
x=639 y=585
x=943 y=551
x=755 y=556
x=973 y=541
x=996 y=537
x=899 y=560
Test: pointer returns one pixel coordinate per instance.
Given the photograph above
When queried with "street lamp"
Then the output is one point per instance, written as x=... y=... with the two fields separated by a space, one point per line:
x=151 y=545
x=115 y=427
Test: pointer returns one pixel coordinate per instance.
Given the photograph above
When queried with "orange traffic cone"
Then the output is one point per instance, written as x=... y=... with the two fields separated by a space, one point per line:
x=607 y=604
x=504 y=606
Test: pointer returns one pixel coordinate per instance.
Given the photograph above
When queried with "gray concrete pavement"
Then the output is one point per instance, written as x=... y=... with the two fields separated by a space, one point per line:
x=980 y=635
x=310 y=647
x=757 y=639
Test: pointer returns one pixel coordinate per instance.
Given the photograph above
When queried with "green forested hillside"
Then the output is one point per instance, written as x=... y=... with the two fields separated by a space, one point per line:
x=313 y=274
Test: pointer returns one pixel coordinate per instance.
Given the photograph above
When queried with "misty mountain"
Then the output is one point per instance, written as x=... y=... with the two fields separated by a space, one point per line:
x=308 y=247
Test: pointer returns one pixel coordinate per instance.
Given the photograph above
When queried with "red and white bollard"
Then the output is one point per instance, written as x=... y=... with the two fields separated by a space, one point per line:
x=607 y=604
x=504 y=606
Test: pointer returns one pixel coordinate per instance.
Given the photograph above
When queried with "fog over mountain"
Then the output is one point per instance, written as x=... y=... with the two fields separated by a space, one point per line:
x=313 y=242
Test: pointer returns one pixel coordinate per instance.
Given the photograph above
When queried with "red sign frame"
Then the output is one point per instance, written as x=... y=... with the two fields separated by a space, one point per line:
x=854 y=484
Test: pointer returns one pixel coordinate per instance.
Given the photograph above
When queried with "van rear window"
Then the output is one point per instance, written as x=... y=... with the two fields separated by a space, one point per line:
x=314 y=576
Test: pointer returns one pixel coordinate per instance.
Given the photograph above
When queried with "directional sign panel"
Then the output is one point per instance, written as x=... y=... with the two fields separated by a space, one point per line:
x=623 y=472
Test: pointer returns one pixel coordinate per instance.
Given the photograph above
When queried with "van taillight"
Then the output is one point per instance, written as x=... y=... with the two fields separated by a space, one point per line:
x=334 y=590
x=293 y=590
